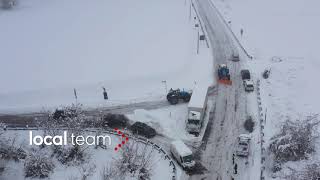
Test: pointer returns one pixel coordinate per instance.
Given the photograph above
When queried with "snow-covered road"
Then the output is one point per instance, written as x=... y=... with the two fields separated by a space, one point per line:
x=231 y=108
x=28 y=119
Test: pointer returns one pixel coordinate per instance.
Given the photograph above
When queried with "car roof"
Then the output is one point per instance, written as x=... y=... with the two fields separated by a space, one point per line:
x=249 y=82
x=140 y=124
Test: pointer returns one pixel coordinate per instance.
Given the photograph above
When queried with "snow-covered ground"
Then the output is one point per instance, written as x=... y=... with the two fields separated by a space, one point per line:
x=170 y=121
x=281 y=36
x=95 y=160
x=48 y=48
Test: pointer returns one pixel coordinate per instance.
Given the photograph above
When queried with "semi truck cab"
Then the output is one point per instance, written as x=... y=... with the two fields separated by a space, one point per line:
x=194 y=122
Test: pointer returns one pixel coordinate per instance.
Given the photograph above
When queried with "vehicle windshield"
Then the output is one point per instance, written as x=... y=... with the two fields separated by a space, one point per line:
x=187 y=159
x=193 y=121
x=242 y=143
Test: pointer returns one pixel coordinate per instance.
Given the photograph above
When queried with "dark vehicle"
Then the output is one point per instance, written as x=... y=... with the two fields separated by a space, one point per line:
x=64 y=113
x=143 y=130
x=175 y=95
x=245 y=74
x=115 y=120
x=235 y=57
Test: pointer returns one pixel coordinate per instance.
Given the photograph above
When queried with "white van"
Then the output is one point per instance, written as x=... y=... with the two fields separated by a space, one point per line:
x=182 y=154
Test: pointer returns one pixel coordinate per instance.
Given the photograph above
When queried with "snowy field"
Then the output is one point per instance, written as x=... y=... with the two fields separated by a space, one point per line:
x=48 y=48
x=95 y=160
x=281 y=36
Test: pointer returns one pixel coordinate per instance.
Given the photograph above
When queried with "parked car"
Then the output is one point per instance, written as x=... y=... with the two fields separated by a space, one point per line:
x=143 y=129
x=243 y=145
x=248 y=85
x=182 y=154
x=235 y=57
x=245 y=74
x=115 y=120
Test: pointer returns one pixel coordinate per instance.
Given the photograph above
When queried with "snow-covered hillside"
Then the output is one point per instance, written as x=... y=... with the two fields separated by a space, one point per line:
x=281 y=36
x=129 y=47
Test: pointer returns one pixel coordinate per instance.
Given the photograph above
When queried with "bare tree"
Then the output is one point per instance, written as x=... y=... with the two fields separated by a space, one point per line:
x=136 y=159
x=2 y=166
x=310 y=172
x=38 y=164
x=109 y=172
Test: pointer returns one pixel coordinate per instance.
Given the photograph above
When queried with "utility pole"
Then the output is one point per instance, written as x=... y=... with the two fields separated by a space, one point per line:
x=198 y=42
x=75 y=95
x=165 y=85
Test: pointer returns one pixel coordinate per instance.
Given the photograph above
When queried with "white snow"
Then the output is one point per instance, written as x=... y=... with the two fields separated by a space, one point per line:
x=169 y=121
x=48 y=48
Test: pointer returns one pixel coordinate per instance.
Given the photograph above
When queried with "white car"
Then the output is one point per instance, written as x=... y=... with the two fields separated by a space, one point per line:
x=243 y=145
x=248 y=85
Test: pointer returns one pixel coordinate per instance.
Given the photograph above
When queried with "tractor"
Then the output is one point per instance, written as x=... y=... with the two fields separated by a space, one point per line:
x=175 y=95
x=224 y=74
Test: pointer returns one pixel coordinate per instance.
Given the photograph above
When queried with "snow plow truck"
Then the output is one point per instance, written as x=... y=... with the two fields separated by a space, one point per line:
x=224 y=74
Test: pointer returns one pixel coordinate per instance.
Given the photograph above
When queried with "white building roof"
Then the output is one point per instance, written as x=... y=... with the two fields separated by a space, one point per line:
x=181 y=148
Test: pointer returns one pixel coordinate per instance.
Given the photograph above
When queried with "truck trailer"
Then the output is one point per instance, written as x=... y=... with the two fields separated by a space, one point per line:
x=196 y=110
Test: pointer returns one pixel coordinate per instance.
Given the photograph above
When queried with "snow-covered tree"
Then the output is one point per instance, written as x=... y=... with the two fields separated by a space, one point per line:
x=296 y=140
x=70 y=117
x=38 y=164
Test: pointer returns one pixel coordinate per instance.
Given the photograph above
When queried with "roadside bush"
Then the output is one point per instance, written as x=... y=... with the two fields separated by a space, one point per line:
x=38 y=165
x=249 y=124
x=10 y=151
x=70 y=154
x=296 y=140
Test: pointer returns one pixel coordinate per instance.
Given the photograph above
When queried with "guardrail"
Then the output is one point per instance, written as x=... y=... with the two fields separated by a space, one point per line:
x=135 y=138
x=262 y=125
